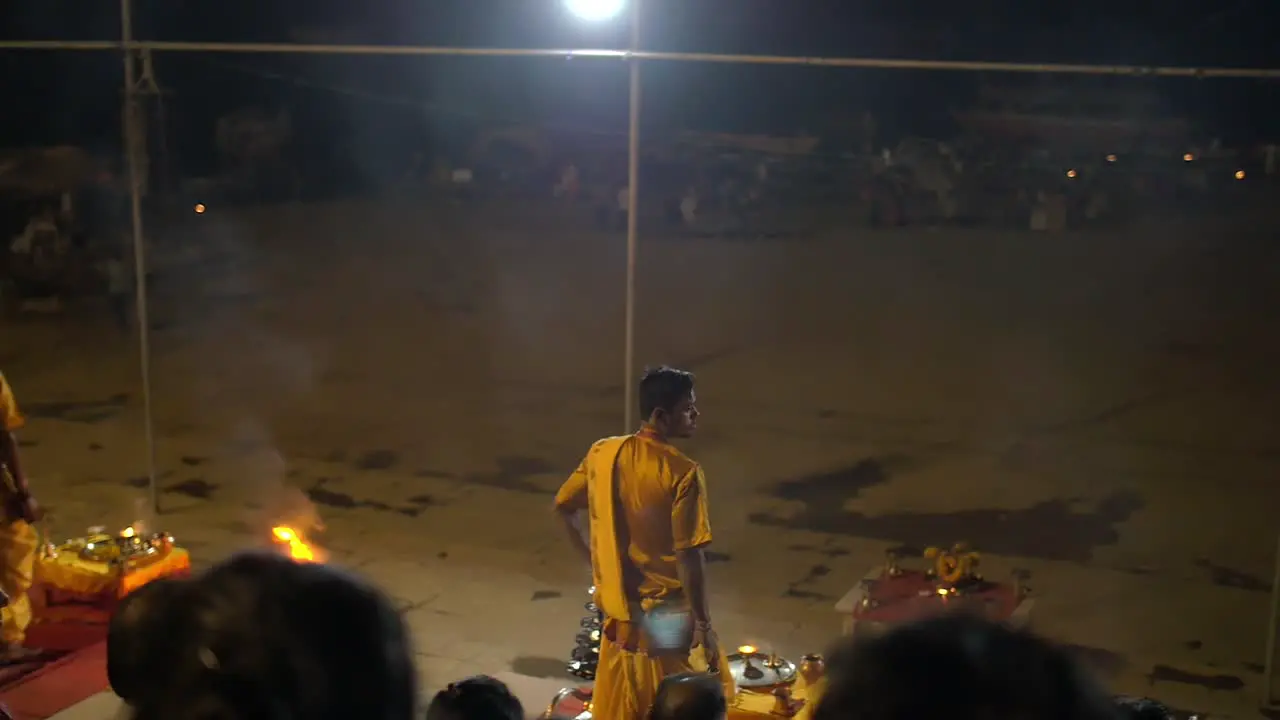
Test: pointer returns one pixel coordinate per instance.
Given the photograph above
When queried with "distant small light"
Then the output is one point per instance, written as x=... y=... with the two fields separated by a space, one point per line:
x=1239 y=174
x=1071 y=173
x=1188 y=157
x=199 y=208
x=1111 y=158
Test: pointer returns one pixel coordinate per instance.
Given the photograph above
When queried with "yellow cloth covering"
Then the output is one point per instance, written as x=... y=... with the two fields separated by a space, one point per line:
x=646 y=501
x=18 y=544
x=748 y=705
x=89 y=580
x=627 y=682
x=10 y=416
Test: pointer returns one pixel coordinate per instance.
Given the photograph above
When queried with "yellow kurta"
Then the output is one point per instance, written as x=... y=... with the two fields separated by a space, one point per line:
x=646 y=501
x=18 y=545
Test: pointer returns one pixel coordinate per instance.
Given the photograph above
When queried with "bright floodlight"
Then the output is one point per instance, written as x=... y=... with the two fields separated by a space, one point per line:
x=595 y=10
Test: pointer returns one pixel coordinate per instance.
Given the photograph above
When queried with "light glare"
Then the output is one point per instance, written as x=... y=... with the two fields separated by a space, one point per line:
x=595 y=10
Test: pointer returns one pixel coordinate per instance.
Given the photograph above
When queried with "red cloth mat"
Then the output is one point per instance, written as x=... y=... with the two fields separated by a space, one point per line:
x=913 y=596
x=74 y=667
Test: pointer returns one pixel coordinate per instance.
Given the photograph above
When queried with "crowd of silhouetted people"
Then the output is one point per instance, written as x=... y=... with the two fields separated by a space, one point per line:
x=264 y=638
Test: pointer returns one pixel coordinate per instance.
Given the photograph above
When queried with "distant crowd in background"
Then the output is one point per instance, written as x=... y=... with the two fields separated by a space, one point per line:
x=259 y=636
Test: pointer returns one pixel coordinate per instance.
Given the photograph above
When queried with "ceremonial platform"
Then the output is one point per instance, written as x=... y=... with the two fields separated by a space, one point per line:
x=77 y=586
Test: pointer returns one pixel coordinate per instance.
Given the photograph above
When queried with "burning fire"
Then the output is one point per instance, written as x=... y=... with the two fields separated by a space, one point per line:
x=297 y=547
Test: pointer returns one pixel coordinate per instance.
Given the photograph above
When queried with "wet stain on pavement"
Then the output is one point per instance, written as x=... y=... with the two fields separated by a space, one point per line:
x=1253 y=667
x=545 y=595
x=94 y=447
x=197 y=488
x=1106 y=663
x=1223 y=576
x=320 y=495
x=377 y=460
x=799 y=588
x=437 y=474
x=1193 y=644
x=142 y=480
x=540 y=667
x=833 y=486
x=426 y=500
x=717 y=557
x=798 y=594
x=192 y=461
x=831 y=552
x=28 y=443
x=514 y=473
x=1051 y=530
x=330 y=498
x=1165 y=673
x=88 y=411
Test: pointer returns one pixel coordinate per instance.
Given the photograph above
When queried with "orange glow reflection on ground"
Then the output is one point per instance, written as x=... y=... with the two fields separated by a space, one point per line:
x=297 y=547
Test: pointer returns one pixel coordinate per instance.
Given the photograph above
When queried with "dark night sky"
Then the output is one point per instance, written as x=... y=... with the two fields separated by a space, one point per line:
x=77 y=91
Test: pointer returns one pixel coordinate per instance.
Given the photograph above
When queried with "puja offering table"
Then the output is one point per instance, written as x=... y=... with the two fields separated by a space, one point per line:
x=100 y=568
x=78 y=584
x=892 y=595
x=768 y=686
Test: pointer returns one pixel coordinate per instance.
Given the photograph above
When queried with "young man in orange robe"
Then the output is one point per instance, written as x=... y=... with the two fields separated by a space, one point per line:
x=649 y=527
x=18 y=538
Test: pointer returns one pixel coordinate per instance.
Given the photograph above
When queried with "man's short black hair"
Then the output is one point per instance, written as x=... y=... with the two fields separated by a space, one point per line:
x=662 y=388
x=476 y=698
x=1142 y=708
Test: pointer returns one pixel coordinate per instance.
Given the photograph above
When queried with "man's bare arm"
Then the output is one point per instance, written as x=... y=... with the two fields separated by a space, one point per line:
x=11 y=462
x=577 y=538
x=692 y=567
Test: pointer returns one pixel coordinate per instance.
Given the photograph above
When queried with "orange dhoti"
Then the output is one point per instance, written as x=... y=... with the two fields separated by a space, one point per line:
x=627 y=679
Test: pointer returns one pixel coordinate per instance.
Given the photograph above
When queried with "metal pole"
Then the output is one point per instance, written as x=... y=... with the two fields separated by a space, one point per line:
x=1273 y=627
x=131 y=145
x=721 y=58
x=633 y=214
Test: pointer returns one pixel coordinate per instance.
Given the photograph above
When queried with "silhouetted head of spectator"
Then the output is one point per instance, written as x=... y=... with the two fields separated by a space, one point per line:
x=150 y=612
x=1142 y=708
x=476 y=698
x=960 y=668
x=260 y=636
x=689 y=696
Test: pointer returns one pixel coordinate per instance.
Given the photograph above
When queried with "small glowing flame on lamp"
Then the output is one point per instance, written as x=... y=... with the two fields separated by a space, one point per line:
x=1188 y=157
x=297 y=547
x=747 y=650
x=1239 y=174
x=1071 y=173
x=944 y=591
x=1111 y=158
x=199 y=208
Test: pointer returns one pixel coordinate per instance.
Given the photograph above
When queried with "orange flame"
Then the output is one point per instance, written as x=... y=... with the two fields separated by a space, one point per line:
x=298 y=548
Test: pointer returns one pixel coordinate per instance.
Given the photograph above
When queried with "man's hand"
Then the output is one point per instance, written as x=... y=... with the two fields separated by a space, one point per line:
x=30 y=509
x=705 y=637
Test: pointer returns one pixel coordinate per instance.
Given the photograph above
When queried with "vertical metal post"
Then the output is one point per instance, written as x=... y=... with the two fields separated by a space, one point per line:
x=1270 y=698
x=131 y=146
x=633 y=212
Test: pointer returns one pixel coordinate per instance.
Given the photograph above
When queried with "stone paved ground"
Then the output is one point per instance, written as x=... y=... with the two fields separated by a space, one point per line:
x=1098 y=410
